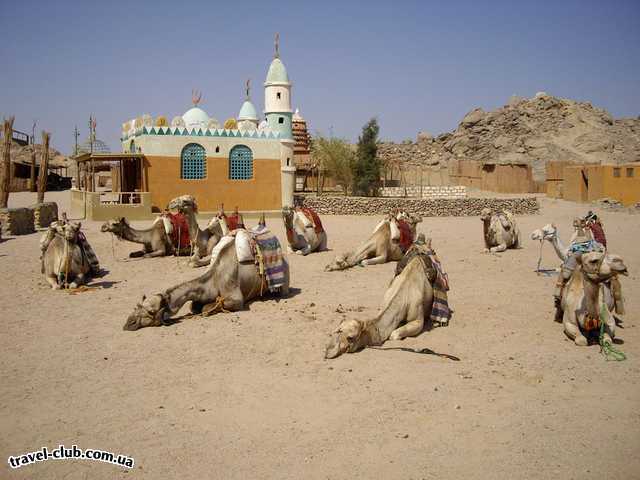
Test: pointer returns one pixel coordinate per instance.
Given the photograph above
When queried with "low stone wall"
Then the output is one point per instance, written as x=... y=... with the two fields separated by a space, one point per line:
x=44 y=214
x=17 y=221
x=440 y=191
x=446 y=207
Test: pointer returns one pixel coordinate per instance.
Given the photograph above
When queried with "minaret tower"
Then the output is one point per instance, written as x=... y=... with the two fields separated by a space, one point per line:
x=277 y=110
x=277 y=96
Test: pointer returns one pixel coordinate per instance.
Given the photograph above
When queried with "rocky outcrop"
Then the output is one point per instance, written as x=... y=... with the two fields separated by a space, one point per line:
x=526 y=131
x=449 y=207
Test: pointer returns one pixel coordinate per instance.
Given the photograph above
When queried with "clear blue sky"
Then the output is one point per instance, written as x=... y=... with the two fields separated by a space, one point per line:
x=415 y=65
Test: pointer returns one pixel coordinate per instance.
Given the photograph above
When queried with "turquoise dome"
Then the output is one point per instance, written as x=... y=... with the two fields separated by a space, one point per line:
x=277 y=73
x=248 y=111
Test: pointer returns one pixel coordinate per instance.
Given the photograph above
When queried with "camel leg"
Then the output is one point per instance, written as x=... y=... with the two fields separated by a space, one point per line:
x=290 y=249
x=374 y=261
x=200 y=262
x=304 y=251
x=609 y=327
x=500 y=248
x=573 y=331
x=155 y=253
x=53 y=281
x=79 y=280
x=412 y=327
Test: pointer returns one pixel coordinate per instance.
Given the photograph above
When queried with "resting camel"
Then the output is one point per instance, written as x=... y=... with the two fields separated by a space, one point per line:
x=227 y=284
x=202 y=241
x=500 y=231
x=380 y=247
x=155 y=240
x=302 y=237
x=64 y=263
x=582 y=302
x=406 y=304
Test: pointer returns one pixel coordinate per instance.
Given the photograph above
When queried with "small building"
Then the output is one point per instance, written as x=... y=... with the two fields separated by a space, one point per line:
x=246 y=163
x=587 y=183
x=251 y=166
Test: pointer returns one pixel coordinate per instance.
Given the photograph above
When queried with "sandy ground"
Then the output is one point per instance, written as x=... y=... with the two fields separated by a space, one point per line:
x=249 y=395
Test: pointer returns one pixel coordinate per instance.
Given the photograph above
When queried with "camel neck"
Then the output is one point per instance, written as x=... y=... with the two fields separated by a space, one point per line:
x=591 y=295
x=177 y=296
x=193 y=224
x=136 y=236
x=560 y=249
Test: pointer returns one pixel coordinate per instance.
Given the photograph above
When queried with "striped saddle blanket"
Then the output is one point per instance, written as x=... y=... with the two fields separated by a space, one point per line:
x=270 y=260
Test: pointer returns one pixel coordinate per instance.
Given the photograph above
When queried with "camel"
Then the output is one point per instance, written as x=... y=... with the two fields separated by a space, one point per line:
x=550 y=233
x=227 y=284
x=202 y=241
x=406 y=304
x=155 y=240
x=500 y=231
x=584 y=303
x=380 y=247
x=64 y=261
x=303 y=237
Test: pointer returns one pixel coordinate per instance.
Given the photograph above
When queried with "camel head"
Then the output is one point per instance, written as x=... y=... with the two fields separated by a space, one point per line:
x=346 y=338
x=69 y=231
x=184 y=202
x=115 y=226
x=287 y=216
x=339 y=263
x=545 y=233
x=485 y=214
x=410 y=218
x=148 y=313
x=600 y=267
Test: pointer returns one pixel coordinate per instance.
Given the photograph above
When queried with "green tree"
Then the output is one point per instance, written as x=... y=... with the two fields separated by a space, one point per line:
x=334 y=157
x=366 y=168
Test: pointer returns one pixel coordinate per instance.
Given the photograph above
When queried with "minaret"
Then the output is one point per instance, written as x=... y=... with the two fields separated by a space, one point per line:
x=277 y=110
x=248 y=117
x=277 y=96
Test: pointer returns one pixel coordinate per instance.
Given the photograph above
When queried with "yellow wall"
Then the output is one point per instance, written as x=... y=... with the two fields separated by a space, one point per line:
x=262 y=192
x=623 y=188
x=574 y=188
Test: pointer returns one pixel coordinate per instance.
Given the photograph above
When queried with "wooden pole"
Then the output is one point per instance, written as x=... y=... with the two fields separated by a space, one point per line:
x=33 y=159
x=5 y=168
x=44 y=166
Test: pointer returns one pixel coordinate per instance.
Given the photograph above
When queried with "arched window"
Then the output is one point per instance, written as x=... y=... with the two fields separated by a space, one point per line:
x=240 y=163
x=193 y=165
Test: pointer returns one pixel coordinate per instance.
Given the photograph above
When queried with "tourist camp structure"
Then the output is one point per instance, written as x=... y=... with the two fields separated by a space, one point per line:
x=248 y=162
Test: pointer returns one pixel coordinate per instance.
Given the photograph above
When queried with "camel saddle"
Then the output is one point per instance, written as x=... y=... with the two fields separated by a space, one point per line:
x=178 y=229
x=406 y=236
x=232 y=221
x=313 y=217
x=598 y=233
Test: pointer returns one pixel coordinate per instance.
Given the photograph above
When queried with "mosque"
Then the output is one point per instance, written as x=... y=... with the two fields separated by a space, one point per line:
x=247 y=163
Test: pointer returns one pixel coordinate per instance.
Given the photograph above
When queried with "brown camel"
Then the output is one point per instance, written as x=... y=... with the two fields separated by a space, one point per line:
x=227 y=284
x=383 y=245
x=500 y=230
x=583 y=304
x=155 y=240
x=406 y=304
x=302 y=237
x=64 y=263
x=202 y=241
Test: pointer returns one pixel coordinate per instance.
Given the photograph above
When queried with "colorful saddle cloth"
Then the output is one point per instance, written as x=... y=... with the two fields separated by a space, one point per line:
x=440 y=311
x=270 y=260
x=315 y=219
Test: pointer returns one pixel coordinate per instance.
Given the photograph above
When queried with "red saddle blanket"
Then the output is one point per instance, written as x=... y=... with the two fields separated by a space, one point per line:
x=598 y=233
x=232 y=221
x=313 y=216
x=180 y=234
x=406 y=236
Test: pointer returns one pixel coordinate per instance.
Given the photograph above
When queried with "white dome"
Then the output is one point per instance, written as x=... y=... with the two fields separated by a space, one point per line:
x=196 y=118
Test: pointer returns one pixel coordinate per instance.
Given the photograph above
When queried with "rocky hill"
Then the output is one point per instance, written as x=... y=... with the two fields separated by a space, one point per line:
x=531 y=131
x=22 y=154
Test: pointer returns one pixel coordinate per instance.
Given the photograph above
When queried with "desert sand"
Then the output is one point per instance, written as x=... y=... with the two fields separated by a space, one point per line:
x=249 y=395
